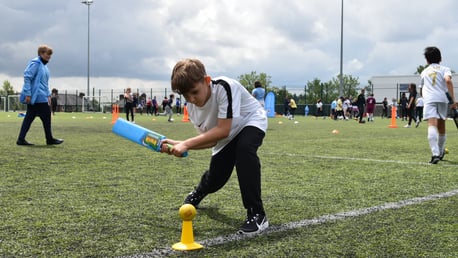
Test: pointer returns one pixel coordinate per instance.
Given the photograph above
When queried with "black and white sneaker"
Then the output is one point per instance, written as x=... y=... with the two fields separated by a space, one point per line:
x=254 y=224
x=435 y=159
x=441 y=157
x=194 y=198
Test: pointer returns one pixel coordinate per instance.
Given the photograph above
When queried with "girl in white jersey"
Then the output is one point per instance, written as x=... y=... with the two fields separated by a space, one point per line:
x=232 y=122
x=436 y=82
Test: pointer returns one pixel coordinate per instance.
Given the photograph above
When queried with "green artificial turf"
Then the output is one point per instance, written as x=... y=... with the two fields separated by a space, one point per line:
x=99 y=195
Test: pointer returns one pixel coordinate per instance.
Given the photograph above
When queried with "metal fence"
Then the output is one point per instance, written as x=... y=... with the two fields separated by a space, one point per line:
x=76 y=101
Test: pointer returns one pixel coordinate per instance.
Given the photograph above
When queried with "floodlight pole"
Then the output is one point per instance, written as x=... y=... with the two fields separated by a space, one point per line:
x=88 y=3
x=341 y=50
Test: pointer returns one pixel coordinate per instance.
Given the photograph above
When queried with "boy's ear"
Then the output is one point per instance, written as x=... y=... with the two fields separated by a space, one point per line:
x=207 y=79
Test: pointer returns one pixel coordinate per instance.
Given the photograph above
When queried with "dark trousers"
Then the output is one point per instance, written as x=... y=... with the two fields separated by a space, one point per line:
x=41 y=110
x=241 y=152
x=129 y=109
x=411 y=114
x=419 y=113
x=361 y=112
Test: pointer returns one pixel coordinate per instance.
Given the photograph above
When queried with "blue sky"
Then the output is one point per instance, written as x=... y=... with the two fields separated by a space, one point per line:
x=136 y=43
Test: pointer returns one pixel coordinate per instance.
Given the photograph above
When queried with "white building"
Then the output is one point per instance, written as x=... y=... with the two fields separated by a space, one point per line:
x=393 y=86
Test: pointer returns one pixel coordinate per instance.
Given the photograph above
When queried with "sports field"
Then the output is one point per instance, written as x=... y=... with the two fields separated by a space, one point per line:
x=367 y=191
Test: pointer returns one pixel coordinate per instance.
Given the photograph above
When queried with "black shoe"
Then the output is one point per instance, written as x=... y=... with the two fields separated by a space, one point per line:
x=441 y=157
x=194 y=198
x=24 y=143
x=434 y=159
x=54 y=141
x=254 y=224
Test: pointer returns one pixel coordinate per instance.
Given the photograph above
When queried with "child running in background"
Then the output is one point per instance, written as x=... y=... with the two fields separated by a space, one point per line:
x=436 y=83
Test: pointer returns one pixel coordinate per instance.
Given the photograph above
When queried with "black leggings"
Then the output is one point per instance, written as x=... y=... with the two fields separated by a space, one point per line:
x=129 y=109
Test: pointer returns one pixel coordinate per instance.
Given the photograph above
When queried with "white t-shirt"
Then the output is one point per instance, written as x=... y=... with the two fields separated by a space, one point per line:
x=236 y=103
x=433 y=83
x=420 y=102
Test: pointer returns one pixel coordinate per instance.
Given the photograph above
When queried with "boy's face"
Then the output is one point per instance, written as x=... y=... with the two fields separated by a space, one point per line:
x=199 y=93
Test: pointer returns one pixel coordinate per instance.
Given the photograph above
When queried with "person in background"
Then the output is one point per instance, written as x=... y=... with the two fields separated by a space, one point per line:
x=54 y=96
x=411 y=105
x=334 y=109
x=286 y=107
x=155 y=106
x=403 y=103
x=419 y=110
x=168 y=107
x=129 y=104
x=178 y=106
x=436 y=88
x=385 y=108
x=164 y=103
x=37 y=96
x=346 y=108
x=231 y=122
x=319 y=109
x=140 y=104
x=259 y=92
x=361 y=102
x=292 y=107
x=370 y=107
x=149 y=106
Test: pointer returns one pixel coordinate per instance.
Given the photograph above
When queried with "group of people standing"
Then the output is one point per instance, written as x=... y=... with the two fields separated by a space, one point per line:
x=346 y=108
x=132 y=104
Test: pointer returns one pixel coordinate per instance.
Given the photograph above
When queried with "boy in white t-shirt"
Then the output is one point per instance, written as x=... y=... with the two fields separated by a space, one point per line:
x=232 y=122
x=436 y=82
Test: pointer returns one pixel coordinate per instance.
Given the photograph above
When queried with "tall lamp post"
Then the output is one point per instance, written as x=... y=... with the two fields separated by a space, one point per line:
x=341 y=50
x=88 y=3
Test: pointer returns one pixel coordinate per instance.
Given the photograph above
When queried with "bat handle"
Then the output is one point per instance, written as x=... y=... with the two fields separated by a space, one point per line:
x=170 y=146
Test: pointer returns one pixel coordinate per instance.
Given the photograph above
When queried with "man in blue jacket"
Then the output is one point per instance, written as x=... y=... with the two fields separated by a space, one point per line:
x=37 y=96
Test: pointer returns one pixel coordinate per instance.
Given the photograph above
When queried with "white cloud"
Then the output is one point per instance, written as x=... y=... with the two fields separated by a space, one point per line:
x=293 y=41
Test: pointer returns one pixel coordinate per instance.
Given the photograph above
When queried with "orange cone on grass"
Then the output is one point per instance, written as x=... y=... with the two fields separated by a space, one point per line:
x=185 y=114
x=114 y=113
x=393 y=118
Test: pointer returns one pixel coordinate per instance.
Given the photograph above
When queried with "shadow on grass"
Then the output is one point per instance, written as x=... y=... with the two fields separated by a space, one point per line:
x=215 y=214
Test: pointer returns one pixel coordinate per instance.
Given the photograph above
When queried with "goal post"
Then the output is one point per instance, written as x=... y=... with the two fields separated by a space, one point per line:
x=13 y=104
x=3 y=103
x=96 y=104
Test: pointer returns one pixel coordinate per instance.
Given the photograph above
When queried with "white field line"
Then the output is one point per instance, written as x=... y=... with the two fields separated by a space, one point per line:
x=304 y=223
x=442 y=163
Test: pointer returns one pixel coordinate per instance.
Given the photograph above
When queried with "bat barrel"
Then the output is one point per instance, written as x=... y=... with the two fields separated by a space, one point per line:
x=140 y=135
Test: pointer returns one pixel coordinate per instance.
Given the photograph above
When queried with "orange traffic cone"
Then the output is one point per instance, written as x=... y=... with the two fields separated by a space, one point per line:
x=187 y=213
x=114 y=113
x=393 y=118
x=185 y=114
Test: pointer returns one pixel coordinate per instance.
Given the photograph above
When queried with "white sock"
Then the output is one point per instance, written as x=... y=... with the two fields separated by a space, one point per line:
x=433 y=139
x=441 y=142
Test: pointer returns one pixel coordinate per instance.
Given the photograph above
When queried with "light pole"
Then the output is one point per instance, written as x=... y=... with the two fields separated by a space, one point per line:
x=88 y=3
x=341 y=50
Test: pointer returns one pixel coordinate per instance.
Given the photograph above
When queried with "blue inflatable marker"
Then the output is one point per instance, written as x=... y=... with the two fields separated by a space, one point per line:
x=270 y=104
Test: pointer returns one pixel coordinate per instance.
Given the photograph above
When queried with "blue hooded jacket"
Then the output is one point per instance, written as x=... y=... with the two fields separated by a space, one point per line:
x=36 y=76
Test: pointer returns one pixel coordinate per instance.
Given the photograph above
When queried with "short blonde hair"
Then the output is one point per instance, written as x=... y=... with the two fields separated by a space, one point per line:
x=44 y=49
